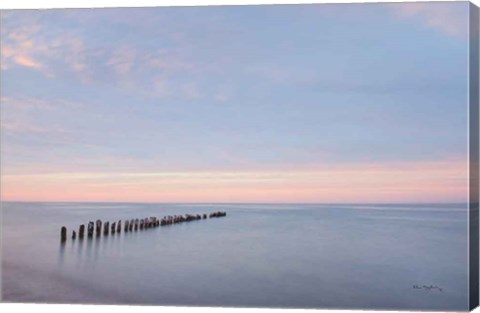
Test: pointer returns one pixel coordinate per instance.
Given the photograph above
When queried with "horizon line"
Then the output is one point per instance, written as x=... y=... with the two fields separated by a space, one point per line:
x=239 y=203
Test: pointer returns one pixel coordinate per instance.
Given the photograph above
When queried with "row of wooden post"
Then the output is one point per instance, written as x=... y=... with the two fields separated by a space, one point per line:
x=133 y=225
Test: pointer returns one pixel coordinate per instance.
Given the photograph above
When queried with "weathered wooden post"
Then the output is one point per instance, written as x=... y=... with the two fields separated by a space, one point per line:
x=99 y=227
x=81 y=231
x=113 y=228
x=136 y=224
x=204 y=216
x=142 y=223
x=90 y=229
x=74 y=234
x=126 y=226
x=130 y=226
x=106 y=228
x=63 y=234
x=119 y=226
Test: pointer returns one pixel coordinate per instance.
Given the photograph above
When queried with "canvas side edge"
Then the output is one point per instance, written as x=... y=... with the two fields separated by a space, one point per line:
x=473 y=164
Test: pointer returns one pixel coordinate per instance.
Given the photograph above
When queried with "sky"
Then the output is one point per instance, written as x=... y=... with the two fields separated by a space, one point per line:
x=326 y=103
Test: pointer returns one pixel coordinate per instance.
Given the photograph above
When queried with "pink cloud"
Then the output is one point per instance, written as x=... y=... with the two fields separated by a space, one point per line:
x=191 y=91
x=19 y=127
x=168 y=60
x=272 y=73
x=451 y=19
x=27 y=61
x=122 y=60
x=28 y=103
x=222 y=97
x=19 y=115
x=18 y=48
x=30 y=47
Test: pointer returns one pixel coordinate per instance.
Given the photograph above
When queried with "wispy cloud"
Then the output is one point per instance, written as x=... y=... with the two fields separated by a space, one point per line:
x=19 y=114
x=30 y=103
x=168 y=60
x=17 y=48
x=19 y=127
x=448 y=17
x=32 y=47
x=273 y=73
x=43 y=45
x=122 y=60
x=191 y=91
x=221 y=96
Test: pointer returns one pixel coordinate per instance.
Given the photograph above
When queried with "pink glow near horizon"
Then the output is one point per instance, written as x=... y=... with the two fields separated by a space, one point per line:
x=408 y=182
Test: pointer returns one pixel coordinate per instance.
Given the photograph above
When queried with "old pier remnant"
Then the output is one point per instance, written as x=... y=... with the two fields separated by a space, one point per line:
x=63 y=234
x=81 y=231
x=98 y=226
x=134 y=224
x=90 y=229
x=106 y=228
x=218 y=214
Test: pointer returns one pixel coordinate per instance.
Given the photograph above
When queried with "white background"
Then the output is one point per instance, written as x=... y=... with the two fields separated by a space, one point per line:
x=44 y=308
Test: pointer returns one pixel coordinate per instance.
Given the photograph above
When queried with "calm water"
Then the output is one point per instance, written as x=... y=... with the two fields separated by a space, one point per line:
x=342 y=256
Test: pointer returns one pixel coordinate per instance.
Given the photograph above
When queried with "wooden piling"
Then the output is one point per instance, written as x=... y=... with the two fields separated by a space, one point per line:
x=119 y=226
x=81 y=231
x=74 y=234
x=98 y=225
x=136 y=224
x=90 y=229
x=113 y=228
x=126 y=226
x=63 y=234
x=106 y=228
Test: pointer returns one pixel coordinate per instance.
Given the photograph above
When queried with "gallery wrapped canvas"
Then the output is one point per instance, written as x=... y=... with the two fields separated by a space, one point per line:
x=282 y=156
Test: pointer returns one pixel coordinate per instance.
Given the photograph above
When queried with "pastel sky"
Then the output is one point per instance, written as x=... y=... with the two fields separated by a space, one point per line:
x=297 y=103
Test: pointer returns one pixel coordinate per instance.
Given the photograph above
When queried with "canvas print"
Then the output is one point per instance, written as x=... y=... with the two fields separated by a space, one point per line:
x=291 y=156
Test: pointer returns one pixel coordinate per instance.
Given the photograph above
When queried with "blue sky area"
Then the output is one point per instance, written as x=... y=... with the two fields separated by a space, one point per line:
x=249 y=89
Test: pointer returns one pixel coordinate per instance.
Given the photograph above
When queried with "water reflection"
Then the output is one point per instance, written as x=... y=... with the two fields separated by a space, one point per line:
x=89 y=250
x=61 y=254
x=79 y=244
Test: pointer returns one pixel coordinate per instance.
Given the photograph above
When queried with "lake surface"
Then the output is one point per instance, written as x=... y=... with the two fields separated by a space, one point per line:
x=322 y=256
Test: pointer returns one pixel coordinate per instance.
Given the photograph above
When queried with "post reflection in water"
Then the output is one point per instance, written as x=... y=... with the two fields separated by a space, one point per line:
x=87 y=251
x=61 y=254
